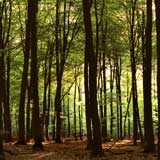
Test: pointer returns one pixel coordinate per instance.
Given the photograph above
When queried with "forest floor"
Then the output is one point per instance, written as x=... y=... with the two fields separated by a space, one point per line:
x=75 y=150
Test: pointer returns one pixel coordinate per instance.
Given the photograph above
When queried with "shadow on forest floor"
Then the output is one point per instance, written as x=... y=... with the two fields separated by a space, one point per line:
x=75 y=150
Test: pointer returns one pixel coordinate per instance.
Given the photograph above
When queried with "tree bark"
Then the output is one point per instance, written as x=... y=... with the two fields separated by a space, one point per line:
x=148 y=123
x=5 y=20
x=24 y=82
x=96 y=143
x=75 y=96
x=28 y=123
x=1 y=102
x=133 y=69
x=68 y=116
x=157 y=4
x=34 y=78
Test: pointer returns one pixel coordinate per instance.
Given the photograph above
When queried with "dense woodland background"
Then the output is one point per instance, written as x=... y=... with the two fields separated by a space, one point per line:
x=84 y=70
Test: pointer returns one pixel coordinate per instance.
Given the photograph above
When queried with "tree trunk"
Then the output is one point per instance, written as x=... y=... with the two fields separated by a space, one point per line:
x=112 y=73
x=8 y=97
x=1 y=93
x=105 y=98
x=92 y=59
x=34 y=77
x=49 y=92
x=75 y=95
x=68 y=116
x=133 y=69
x=118 y=84
x=59 y=73
x=87 y=104
x=44 y=96
x=157 y=4
x=1 y=105
x=53 y=123
x=80 y=109
x=58 y=109
x=21 y=117
x=28 y=126
x=148 y=123
x=1 y=129
x=127 y=115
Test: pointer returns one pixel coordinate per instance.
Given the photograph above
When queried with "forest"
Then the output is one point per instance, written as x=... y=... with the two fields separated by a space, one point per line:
x=80 y=79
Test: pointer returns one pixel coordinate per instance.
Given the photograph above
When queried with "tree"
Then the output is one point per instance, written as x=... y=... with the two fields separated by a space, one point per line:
x=1 y=128
x=157 y=4
x=118 y=65
x=133 y=68
x=148 y=123
x=92 y=64
x=1 y=107
x=5 y=13
x=75 y=95
x=24 y=82
x=62 y=48
x=49 y=92
x=34 y=76
x=112 y=76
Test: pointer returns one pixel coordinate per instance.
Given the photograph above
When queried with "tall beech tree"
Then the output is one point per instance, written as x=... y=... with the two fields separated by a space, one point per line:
x=59 y=74
x=157 y=4
x=118 y=65
x=24 y=82
x=133 y=38
x=49 y=91
x=63 y=39
x=92 y=64
x=147 y=62
x=5 y=22
x=133 y=68
x=1 y=109
x=112 y=77
x=36 y=128
x=1 y=80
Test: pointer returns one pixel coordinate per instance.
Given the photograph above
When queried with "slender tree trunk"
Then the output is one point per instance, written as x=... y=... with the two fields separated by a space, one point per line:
x=92 y=59
x=49 y=96
x=104 y=37
x=80 y=109
x=1 y=103
x=117 y=99
x=58 y=110
x=48 y=112
x=59 y=74
x=148 y=123
x=133 y=68
x=53 y=122
x=1 y=94
x=75 y=95
x=34 y=77
x=44 y=96
x=157 y=4
x=68 y=116
x=28 y=126
x=105 y=97
x=5 y=20
x=1 y=129
x=8 y=97
x=118 y=83
x=127 y=115
x=112 y=73
x=87 y=104
x=21 y=117
x=1 y=91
